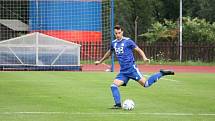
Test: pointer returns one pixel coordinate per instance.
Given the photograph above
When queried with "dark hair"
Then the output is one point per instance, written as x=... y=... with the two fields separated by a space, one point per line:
x=118 y=27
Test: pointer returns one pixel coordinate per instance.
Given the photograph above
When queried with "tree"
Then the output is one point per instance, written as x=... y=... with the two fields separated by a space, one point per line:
x=204 y=9
x=166 y=9
x=126 y=12
x=151 y=11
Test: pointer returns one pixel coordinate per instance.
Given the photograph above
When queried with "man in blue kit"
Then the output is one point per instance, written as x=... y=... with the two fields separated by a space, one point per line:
x=123 y=48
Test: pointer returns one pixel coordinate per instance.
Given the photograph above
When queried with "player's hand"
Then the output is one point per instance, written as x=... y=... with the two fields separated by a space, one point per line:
x=147 y=60
x=97 y=62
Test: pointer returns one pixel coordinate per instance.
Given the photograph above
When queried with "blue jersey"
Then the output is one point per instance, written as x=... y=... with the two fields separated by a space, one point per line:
x=124 y=53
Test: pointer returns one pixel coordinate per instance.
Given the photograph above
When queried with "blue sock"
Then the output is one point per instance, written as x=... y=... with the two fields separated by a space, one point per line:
x=152 y=79
x=116 y=94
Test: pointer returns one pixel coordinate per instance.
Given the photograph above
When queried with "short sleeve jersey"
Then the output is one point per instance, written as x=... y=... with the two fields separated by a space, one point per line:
x=124 y=53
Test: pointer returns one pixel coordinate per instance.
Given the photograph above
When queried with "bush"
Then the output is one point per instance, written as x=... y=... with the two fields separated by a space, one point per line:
x=198 y=30
x=194 y=30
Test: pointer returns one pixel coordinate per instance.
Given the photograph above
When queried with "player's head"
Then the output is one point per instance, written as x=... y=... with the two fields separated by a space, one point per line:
x=118 y=32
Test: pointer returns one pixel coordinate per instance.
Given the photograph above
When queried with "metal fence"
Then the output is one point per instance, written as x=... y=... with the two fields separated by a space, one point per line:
x=169 y=51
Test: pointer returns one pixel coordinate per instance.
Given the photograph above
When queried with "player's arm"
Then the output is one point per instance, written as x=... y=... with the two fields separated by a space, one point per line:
x=142 y=54
x=106 y=55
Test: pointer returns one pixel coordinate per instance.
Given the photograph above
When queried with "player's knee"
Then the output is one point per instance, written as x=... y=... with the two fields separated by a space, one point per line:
x=114 y=86
x=142 y=82
x=118 y=82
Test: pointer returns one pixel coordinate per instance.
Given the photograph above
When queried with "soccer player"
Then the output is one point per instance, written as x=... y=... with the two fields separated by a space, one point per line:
x=123 y=48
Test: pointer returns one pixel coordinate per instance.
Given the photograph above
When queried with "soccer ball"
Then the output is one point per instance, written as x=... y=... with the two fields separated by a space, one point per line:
x=128 y=104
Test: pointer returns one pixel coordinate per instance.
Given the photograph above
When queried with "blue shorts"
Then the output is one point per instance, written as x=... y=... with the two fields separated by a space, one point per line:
x=133 y=74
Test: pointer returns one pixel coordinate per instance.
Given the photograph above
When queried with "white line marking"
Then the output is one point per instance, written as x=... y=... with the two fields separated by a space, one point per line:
x=173 y=80
x=116 y=113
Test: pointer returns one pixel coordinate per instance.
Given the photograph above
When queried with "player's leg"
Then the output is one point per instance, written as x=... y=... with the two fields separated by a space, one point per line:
x=121 y=80
x=142 y=81
x=115 y=92
x=137 y=76
x=153 y=78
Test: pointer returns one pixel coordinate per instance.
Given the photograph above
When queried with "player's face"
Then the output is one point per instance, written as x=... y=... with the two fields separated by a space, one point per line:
x=118 y=34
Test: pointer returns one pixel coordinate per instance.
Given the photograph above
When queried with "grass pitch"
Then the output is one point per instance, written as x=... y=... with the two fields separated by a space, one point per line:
x=86 y=96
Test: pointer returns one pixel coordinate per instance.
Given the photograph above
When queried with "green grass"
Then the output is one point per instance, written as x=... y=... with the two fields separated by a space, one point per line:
x=85 y=96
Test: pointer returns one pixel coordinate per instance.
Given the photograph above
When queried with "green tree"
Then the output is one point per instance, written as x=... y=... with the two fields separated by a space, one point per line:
x=126 y=12
x=152 y=11
x=166 y=9
x=198 y=30
x=194 y=30
x=204 y=9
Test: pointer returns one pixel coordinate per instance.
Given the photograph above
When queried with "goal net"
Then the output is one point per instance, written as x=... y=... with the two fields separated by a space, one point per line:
x=82 y=22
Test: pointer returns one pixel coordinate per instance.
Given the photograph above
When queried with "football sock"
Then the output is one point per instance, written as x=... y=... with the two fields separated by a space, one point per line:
x=116 y=94
x=152 y=79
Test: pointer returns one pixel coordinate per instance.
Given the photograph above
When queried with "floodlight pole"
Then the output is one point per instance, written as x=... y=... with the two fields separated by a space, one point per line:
x=180 y=37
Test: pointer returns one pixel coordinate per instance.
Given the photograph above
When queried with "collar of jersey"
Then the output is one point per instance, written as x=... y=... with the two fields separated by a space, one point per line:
x=120 y=39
